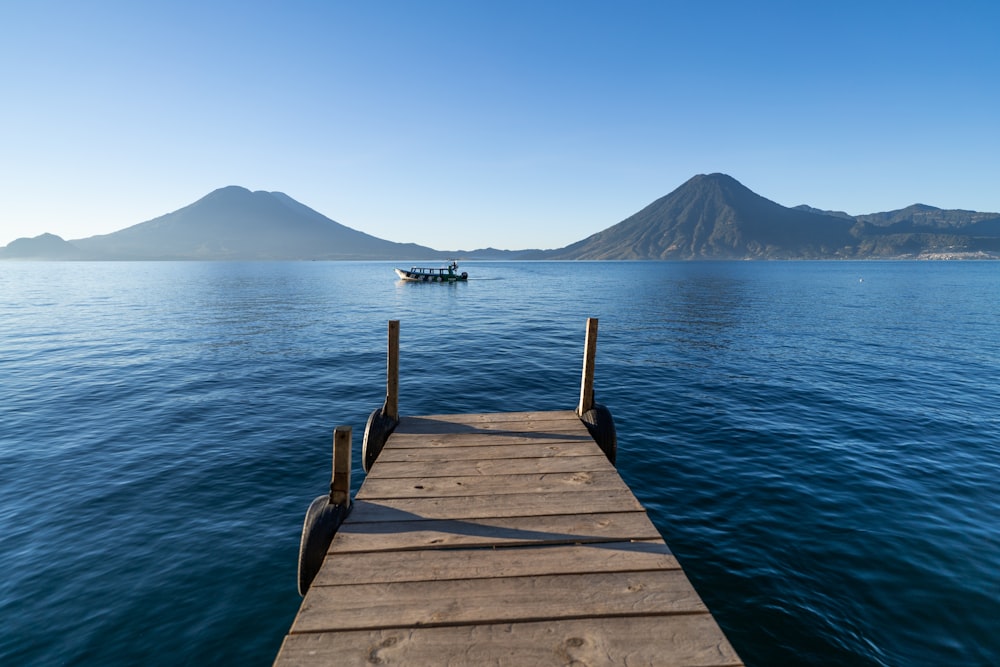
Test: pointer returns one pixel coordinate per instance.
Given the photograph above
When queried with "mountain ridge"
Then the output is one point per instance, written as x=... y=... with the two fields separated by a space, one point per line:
x=710 y=216
x=234 y=223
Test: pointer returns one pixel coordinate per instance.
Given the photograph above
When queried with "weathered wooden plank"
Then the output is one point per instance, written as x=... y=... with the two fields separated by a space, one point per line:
x=487 y=450
x=483 y=438
x=489 y=466
x=484 y=507
x=513 y=531
x=560 y=431
x=469 y=424
x=454 y=601
x=486 y=438
x=690 y=640
x=495 y=417
x=442 y=564
x=479 y=485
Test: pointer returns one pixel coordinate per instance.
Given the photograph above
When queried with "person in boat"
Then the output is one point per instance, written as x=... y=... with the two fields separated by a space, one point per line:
x=454 y=265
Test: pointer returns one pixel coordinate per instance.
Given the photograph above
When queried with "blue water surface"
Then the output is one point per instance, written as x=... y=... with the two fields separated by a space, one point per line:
x=819 y=442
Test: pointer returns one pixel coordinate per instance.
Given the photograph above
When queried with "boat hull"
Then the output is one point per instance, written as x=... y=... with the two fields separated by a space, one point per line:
x=420 y=277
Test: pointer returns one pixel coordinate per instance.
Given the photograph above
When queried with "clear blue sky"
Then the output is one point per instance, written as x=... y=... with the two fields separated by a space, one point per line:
x=510 y=124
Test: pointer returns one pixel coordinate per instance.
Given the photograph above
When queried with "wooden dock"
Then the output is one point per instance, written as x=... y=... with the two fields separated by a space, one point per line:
x=498 y=539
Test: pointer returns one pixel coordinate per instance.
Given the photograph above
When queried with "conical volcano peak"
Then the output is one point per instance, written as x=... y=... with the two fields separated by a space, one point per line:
x=715 y=177
x=717 y=182
x=715 y=216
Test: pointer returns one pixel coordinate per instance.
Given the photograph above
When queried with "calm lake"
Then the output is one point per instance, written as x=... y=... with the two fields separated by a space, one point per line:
x=818 y=442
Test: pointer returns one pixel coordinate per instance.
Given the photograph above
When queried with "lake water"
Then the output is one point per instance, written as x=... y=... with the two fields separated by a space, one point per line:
x=818 y=442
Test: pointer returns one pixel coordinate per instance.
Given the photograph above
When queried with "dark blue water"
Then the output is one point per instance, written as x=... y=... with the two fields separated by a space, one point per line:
x=818 y=442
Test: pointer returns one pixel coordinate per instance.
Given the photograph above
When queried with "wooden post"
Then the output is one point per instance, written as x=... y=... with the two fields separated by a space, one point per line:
x=340 y=485
x=589 y=357
x=392 y=373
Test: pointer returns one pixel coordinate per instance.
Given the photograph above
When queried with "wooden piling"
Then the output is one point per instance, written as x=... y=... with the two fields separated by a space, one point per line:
x=382 y=421
x=340 y=483
x=392 y=373
x=327 y=512
x=589 y=359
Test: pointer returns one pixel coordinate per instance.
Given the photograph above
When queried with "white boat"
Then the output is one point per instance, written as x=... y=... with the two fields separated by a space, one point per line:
x=421 y=274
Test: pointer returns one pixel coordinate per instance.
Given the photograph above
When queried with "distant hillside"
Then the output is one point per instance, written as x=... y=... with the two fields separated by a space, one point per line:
x=928 y=219
x=234 y=223
x=494 y=254
x=810 y=209
x=46 y=246
x=925 y=231
x=716 y=217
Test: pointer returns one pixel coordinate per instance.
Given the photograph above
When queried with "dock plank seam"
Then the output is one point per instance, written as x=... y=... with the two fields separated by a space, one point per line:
x=570 y=571
x=610 y=540
x=519 y=621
